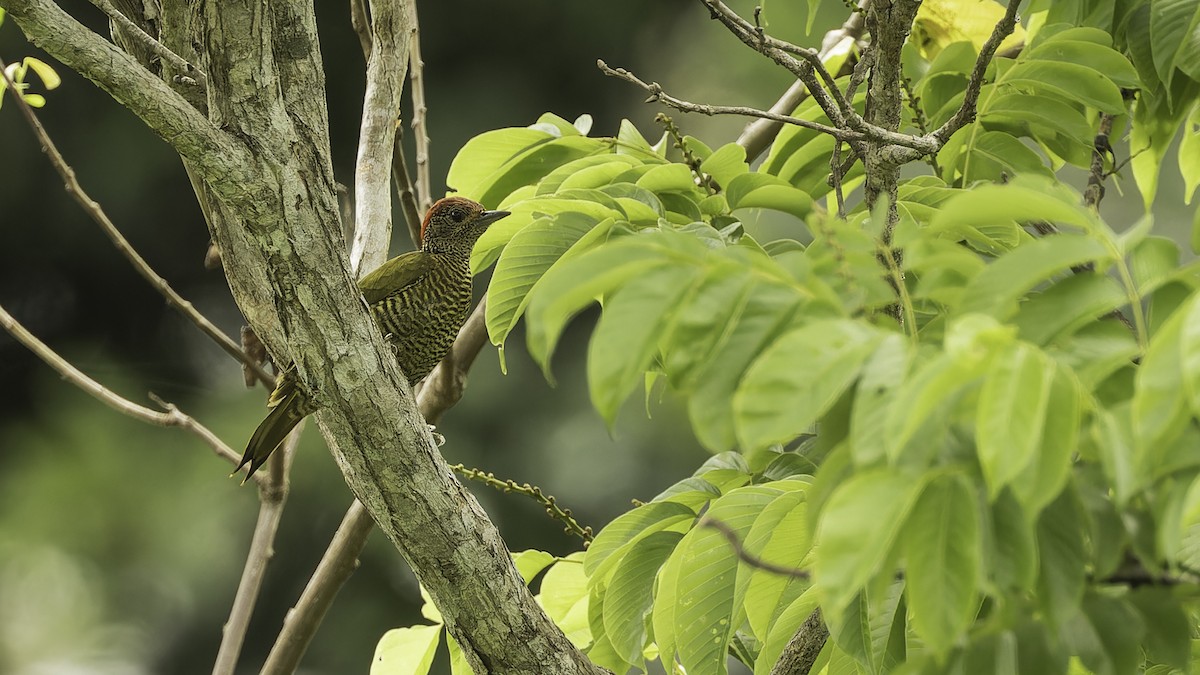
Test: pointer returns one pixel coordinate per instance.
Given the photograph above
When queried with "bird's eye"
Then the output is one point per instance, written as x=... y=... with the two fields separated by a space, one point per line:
x=457 y=215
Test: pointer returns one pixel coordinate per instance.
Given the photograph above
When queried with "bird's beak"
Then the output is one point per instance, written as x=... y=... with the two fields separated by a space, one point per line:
x=489 y=217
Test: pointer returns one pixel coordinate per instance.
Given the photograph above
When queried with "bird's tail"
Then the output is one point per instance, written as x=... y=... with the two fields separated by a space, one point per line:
x=287 y=411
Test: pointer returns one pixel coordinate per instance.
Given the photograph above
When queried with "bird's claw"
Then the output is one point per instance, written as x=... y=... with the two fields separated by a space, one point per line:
x=438 y=439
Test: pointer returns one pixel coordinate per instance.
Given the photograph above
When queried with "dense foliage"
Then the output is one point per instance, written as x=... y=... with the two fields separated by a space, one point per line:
x=974 y=439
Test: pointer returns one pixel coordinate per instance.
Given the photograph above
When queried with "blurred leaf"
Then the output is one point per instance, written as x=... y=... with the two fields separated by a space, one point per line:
x=1011 y=552
x=942 y=545
x=1175 y=38
x=882 y=375
x=764 y=191
x=1189 y=154
x=1159 y=412
x=996 y=290
x=798 y=378
x=853 y=540
x=1061 y=559
x=1168 y=632
x=1011 y=414
x=940 y=23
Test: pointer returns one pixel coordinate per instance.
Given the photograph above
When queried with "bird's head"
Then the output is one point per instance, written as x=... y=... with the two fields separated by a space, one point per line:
x=454 y=224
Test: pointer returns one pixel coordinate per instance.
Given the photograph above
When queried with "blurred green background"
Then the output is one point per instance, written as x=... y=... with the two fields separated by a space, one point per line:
x=121 y=544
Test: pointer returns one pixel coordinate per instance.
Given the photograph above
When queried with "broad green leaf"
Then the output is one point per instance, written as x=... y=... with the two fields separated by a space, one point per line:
x=629 y=528
x=564 y=596
x=629 y=596
x=1010 y=549
x=1189 y=155
x=668 y=178
x=593 y=176
x=1020 y=201
x=943 y=554
x=1061 y=558
x=1044 y=477
x=1069 y=80
x=996 y=290
x=1106 y=635
x=566 y=289
x=1152 y=262
x=531 y=562
x=764 y=191
x=601 y=651
x=727 y=163
x=702 y=571
x=1112 y=435
x=495 y=163
x=1068 y=305
x=882 y=375
x=798 y=378
x=1100 y=58
x=525 y=212
x=989 y=156
x=458 y=660
x=779 y=535
x=406 y=651
x=940 y=23
x=872 y=628
x=1168 y=628
x=626 y=338
x=1175 y=38
x=524 y=260
x=1154 y=127
x=853 y=539
x=1159 y=411
x=1011 y=413
x=920 y=403
x=1189 y=343
x=705 y=321
x=770 y=308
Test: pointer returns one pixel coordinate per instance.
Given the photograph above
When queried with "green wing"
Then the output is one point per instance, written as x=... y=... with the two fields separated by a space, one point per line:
x=395 y=275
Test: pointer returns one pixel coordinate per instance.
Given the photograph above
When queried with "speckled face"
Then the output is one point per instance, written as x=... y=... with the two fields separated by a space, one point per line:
x=454 y=223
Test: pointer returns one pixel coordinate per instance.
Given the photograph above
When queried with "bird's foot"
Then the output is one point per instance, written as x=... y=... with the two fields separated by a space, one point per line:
x=390 y=339
x=438 y=439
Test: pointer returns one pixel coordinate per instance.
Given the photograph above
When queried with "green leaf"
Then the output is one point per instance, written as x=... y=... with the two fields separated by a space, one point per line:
x=704 y=321
x=1175 y=38
x=626 y=338
x=853 y=539
x=1189 y=155
x=1020 y=201
x=989 y=156
x=872 y=629
x=531 y=562
x=780 y=535
x=1061 y=558
x=568 y=288
x=1100 y=58
x=524 y=260
x=727 y=163
x=526 y=211
x=629 y=596
x=1159 y=411
x=45 y=72
x=798 y=378
x=764 y=191
x=1069 y=80
x=1168 y=632
x=1011 y=552
x=701 y=571
x=769 y=309
x=564 y=596
x=1044 y=477
x=1011 y=413
x=668 y=178
x=943 y=556
x=882 y=375
x=630 y=528
x=406 y=651
x=1068 y=305
x=1153 y=262
x=1106 y=635
x=495 y=163
x=996 y=290
x=919 y=404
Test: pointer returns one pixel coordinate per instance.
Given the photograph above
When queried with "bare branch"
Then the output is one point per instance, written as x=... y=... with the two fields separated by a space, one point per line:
x=337 y=564
x=747 y=557
x=1101 y=151
x=92 y=208
x=272 y=495
x=416 y=77
x=193 y=75
x=759 y=134
x=404 y=189
x=657 y=94
x=172 y=417
x=361 y=25
x=385 y=83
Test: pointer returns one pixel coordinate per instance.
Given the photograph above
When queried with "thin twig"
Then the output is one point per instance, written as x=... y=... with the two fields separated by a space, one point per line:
x=172 y=417
x=416 y=79
x=272 y=495
x=534 y=492
x=192 y=75
x=747 y=557
x=1101 y=151
x=657 y=94
x=405 y=190
x=757 y=135
x=92 y=208
x=693 y=162
x=361 y=25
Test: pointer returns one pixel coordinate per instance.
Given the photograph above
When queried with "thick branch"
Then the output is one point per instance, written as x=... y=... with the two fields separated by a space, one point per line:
x=197 y=76
x=801 y=652
x=420 y=110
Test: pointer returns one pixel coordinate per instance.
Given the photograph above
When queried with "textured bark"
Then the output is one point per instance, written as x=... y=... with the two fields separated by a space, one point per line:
x=263 y=153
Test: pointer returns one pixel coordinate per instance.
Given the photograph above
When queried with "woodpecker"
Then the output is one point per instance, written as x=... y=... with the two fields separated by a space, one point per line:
x=419 y=300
